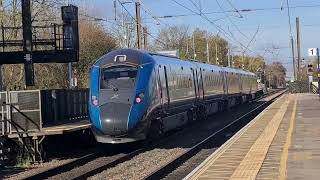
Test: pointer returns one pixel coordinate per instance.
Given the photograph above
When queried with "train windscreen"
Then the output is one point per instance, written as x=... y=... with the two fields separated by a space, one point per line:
x=117 y=78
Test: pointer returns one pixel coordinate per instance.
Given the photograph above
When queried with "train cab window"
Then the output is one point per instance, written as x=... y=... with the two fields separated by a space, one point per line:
x=120 y=77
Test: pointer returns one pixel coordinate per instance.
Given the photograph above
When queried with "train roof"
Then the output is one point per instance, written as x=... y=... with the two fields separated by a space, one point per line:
x=159 y=58
x=136 y=57
x=209 y=66
x=234 y=70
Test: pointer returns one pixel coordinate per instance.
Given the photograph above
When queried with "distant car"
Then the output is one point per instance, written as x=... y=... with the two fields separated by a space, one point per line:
x=136 y=94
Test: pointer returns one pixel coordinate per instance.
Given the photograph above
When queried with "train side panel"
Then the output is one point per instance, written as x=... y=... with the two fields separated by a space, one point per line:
x=136 y=94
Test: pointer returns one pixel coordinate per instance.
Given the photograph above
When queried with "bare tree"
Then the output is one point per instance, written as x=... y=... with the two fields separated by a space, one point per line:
x=172 y=38
x=94 y=42
x=275 y=74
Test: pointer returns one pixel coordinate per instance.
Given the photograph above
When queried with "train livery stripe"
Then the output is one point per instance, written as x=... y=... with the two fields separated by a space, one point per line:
x=94 y=91
x=137 y=111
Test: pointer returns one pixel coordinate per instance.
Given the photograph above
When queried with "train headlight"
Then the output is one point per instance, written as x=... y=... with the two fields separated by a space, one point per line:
x=94 y=100
x=139 y=98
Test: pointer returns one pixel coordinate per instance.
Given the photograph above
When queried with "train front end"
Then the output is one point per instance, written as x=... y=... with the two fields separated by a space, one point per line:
x=119 y=96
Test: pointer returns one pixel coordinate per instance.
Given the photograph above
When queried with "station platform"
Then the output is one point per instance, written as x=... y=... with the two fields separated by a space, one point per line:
x=55 y=130
x=282 y=142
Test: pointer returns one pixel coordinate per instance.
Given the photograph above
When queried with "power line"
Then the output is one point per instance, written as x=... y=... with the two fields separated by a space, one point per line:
x=289 y=18
x=104 y=20
x=101 y=19
x=268 y=9
x=233 y=24
x=229 y=35
x=253 y=37
x=195 y=13
x=235 y=9
x=195 y=5
x=149 y=12
x=240 y=10
x=141 y=24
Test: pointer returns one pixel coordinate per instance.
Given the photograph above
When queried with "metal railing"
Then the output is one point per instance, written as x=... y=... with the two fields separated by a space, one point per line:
x=49 y=37
x=314 y=88
x=32 y=110
x=9 y=126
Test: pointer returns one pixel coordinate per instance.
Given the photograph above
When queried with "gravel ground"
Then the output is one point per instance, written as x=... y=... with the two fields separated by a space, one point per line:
x=138 y=166
x=149 y=161
x=190 y=165
x=37 y=168
x=100 y=154
x=87 y=167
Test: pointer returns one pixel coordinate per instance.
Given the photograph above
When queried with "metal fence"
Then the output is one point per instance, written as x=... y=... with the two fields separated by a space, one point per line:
x=4 y=125
x=25 y=109
x=64 y=105
x=299 y=87
x=30 y=110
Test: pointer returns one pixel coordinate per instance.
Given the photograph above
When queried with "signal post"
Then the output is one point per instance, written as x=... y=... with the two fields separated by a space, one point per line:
x=315 y=52
x=318 y=71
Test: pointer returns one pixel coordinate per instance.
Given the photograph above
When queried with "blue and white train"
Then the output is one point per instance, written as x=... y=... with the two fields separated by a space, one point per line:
x=136 y=94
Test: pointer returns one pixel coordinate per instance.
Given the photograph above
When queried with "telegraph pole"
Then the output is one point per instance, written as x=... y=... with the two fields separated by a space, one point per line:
x=298 y=47
x=187 y=48
x=216 y=53
x=229 y=54
x=138 y=19
x=115 y=10
x=293 y=60
x=208 y=55
x=145 y=38
x=194 y=47
x=318 y=71
x=232 y=64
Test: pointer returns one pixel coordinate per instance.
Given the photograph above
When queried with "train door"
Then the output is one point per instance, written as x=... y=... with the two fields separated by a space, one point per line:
x=225 y=83
x=164 y=95
x=201 y=88
x=198 y=84
x=195 y=83
x=241 y=84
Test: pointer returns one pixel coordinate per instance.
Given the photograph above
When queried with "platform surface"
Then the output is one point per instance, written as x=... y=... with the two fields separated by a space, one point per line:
x=57 y=129
x=282 y=142
x=304 y=152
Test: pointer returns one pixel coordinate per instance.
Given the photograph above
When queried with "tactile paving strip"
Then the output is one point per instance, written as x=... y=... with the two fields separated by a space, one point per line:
x=250 y=165
x=271 y=164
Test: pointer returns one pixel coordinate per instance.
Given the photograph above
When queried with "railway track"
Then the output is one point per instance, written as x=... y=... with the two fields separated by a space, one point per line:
x=211 y=141
x=90 y=164
x=95 y=163
x=74 y=168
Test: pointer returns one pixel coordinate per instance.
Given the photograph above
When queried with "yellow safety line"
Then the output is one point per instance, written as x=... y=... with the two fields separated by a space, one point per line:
x=285 y=152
